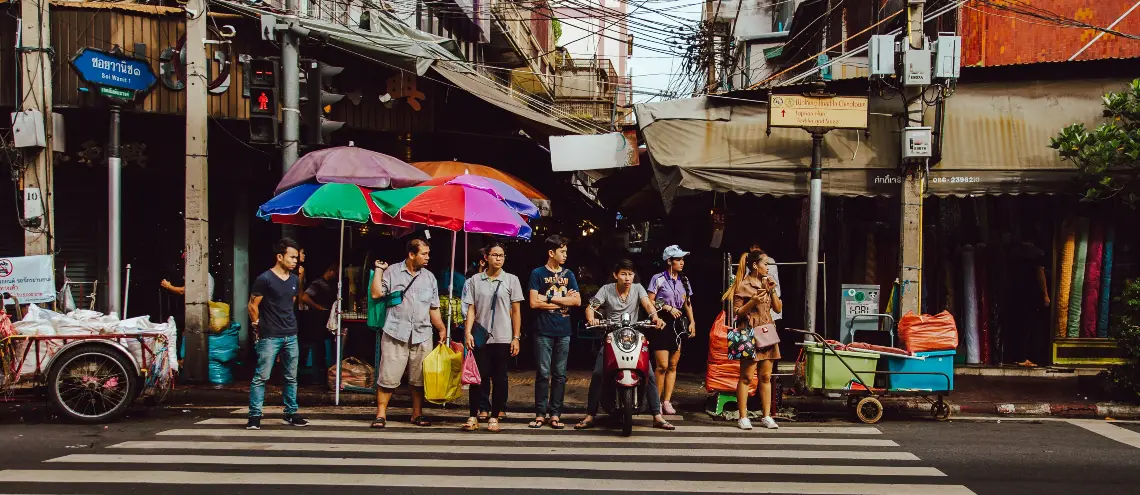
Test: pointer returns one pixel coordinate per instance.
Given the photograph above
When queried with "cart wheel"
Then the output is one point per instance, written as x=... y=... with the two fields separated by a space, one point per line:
x=940 y=410
x=92 y=384
x=869 y=410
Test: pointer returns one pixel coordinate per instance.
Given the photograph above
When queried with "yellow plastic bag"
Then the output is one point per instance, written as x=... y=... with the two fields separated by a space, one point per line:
x=443 y=367
x=219 y=316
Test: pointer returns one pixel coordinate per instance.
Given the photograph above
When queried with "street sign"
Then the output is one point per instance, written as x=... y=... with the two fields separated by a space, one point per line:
x=116 y=75
x=836 y=112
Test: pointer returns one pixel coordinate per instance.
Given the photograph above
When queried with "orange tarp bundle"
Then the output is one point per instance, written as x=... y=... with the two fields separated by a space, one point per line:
x=723 y=374
x=929 y=333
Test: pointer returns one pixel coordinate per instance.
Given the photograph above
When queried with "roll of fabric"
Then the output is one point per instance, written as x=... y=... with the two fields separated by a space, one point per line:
x=1105 y=284
x=970 y=302
x=872 y=265
x=1093 y=269
x=1073 y=328
x=1065 y=275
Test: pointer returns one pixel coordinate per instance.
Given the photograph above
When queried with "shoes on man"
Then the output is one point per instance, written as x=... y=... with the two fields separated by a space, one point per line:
x=295 y=420
x=254 y=423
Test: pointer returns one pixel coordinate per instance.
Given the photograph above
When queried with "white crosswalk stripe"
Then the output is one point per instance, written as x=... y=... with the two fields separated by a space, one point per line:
x=344 y=454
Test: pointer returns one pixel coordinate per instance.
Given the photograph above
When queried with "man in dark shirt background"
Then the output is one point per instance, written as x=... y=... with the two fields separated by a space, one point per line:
x=275 y=332
x=316 y=302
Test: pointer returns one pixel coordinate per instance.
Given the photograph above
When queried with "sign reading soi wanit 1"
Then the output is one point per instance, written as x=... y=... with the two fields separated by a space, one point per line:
x=834 y=112
x=115 y=75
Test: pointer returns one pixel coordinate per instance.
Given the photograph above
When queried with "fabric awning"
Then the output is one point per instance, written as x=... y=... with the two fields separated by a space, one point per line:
x=996 y=142
x=489 y=91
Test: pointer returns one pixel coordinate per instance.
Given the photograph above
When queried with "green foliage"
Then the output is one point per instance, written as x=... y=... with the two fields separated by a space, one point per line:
x=1126 y=330
x=556 y=28
x=1108 y=157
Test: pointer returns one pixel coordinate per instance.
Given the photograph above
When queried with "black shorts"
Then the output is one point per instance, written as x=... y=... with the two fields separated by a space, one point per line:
x=666 y=339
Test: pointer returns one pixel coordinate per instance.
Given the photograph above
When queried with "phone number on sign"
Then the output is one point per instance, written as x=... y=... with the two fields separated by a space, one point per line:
x=954 y=180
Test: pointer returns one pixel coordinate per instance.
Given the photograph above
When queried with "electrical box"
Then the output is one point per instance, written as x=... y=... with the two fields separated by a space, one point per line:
x=881 y=52
x=916 y=66
x=918 y=142
x=858 y=300
x=947 y=56
x=58 y=134
x=28 y=129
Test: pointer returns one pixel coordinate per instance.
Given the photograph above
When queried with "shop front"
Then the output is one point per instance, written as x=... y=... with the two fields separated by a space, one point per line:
x=1001 y=214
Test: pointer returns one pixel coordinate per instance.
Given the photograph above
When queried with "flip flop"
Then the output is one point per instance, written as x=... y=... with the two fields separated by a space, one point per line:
x=537 y=423
x=557 y=424
x=584 y=425
x=421 y=421
x=379 y=423
x=664 y=425
x=484 y=416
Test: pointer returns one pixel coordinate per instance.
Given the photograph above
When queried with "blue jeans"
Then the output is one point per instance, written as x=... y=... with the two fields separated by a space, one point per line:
x=267 y=350
x=550 y=377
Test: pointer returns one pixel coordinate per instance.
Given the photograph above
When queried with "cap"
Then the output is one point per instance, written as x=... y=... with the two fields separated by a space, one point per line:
x=674 y=251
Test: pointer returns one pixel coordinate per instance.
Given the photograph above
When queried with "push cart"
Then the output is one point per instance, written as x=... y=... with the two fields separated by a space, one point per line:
x=852 y=374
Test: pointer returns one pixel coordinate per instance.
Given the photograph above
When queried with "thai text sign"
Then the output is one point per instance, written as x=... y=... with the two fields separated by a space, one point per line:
x=110 y=70
x=30 y=279
x=837 y=112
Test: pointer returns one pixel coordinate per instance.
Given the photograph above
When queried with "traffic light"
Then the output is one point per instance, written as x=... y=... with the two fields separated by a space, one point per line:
x=315 y=100
x=262 y=101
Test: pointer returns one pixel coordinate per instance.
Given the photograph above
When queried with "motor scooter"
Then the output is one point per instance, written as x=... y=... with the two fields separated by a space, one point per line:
x=625 y=368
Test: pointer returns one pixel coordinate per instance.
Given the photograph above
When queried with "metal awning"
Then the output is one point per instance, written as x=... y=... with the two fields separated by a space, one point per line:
x=487 y=90
x=996 y=138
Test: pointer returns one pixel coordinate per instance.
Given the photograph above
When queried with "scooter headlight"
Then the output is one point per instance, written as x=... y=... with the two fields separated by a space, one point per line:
x=626 y=339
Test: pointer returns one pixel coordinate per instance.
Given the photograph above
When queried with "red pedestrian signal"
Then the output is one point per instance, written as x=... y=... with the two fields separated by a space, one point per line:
x=262 y=101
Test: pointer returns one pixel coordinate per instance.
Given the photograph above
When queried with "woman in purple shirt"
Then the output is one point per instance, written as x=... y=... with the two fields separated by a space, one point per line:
x=670 y=293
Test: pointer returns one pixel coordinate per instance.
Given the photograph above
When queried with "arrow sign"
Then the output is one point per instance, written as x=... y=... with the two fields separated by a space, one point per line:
x=111 y=70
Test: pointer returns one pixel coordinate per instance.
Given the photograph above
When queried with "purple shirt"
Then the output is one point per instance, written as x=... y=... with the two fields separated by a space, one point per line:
x=669 y=290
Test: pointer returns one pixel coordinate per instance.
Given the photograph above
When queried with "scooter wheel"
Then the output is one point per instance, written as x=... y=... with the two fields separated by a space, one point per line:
x=869 y=410
x=626 y=403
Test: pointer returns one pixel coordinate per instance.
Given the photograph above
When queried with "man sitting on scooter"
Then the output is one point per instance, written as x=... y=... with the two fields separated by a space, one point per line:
x=621 y=297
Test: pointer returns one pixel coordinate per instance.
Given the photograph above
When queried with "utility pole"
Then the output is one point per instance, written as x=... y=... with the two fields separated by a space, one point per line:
x=815 y=207
x=291 y=89
x=197 y=195
x=114 y=217
x=914 y=180
x=35 y=43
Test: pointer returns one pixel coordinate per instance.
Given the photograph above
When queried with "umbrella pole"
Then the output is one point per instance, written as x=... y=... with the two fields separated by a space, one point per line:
x=451 y=285
x=339 y=307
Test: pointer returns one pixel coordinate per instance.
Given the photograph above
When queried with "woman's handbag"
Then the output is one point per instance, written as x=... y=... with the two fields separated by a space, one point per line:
x=741 y=345
x=765 y=336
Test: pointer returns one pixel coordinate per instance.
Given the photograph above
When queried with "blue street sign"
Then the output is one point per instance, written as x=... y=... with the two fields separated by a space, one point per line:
x=101 y=68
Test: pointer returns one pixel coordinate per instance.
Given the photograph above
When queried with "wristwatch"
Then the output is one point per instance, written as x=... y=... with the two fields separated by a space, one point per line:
x=516 y=337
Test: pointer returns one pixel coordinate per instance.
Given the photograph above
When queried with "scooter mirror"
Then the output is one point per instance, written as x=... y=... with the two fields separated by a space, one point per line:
x=625 y=319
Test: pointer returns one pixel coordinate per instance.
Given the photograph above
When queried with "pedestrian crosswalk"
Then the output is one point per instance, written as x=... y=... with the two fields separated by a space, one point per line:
x=337 y=454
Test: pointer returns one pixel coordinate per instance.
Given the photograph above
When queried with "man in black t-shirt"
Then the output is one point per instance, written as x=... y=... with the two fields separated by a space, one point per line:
x=275 y=332
x=313 y=316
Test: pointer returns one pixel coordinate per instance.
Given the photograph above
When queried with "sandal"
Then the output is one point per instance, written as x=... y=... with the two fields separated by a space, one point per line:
x=493 y=425
x=379 y=423
x=421 y=421
x=584 y=425
x=537 y=423
x=557 y=423
x=664 y=425
x=472 y=424
x=484 y=416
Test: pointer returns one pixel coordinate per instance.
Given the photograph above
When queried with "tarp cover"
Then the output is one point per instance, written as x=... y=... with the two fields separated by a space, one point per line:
x=996 y=142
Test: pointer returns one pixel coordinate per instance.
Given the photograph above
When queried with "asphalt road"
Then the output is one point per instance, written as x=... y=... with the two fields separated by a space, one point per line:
x=195 y=451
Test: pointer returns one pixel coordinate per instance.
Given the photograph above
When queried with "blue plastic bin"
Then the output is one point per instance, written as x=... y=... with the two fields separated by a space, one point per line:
x=935 y=362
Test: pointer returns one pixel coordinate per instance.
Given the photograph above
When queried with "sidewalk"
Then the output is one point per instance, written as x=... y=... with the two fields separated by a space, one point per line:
x=975 y=393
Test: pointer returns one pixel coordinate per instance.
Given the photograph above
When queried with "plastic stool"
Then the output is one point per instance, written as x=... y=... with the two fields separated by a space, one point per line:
x=723 y=399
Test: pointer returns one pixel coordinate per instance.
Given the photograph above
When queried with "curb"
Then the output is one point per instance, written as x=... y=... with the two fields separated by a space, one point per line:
x=1034 y=409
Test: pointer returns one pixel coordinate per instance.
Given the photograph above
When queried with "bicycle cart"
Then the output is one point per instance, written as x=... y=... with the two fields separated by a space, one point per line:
x=90 y=378
x=852 y=374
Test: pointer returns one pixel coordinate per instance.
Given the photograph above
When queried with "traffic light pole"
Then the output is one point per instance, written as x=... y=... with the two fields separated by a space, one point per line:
x=290 y=89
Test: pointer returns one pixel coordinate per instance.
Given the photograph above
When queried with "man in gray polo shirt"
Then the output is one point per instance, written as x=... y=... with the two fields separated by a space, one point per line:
x=493 y=326
x=406 y=338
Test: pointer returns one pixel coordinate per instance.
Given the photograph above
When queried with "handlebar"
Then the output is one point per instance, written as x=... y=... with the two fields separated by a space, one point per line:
x=616 y=324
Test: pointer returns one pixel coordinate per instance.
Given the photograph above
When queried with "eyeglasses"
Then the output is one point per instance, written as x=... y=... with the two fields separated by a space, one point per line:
x=496 y=255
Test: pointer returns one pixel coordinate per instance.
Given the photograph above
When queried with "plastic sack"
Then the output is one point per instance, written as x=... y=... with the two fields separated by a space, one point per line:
x=470 y=370
x=219 y=316
x=722 y=374
x=224 y=345
x=353 y=372
x=443 y=367
x=928 y=333
x=220 y=373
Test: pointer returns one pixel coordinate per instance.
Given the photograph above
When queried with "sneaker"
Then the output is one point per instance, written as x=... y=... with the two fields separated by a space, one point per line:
x=667 y=408
x=295 y=420
x=254 y=423
x=744 y=424
x=769 y=423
